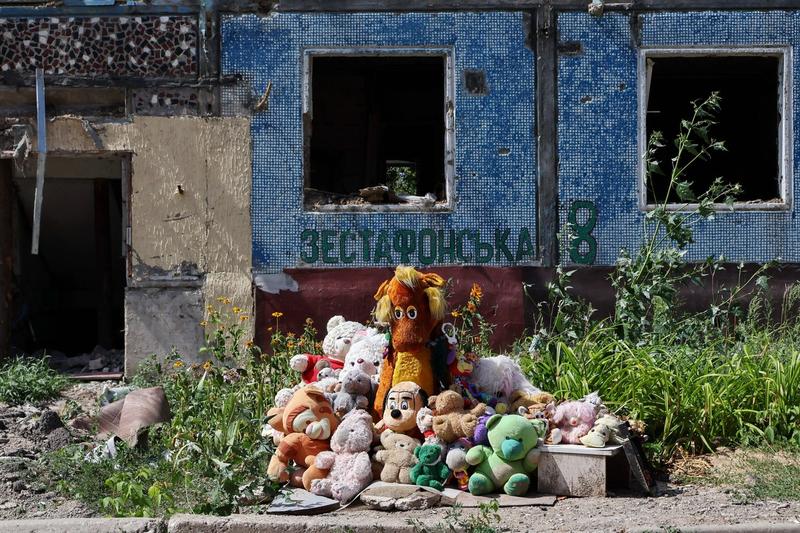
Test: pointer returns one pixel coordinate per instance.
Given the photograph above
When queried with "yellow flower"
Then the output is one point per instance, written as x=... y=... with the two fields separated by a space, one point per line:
x=290 y=335
x=221 y=299
x=207 y=365
x=243 y=318
x=290 y=345
x=476 y=292
x=249 y=344
x=237 y=310
x=203 y=323
x=471 y=306
x=269 y=328
x=210 y=308
x=455 y=314
x=177 y=364
x=309 y=322
x=277 y=314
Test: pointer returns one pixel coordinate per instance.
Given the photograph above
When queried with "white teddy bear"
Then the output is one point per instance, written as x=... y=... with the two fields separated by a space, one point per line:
x=366 y=354
x=335 y=346
x=322 y=371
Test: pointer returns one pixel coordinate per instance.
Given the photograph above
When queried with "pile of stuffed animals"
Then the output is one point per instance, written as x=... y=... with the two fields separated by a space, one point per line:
x=405 y=406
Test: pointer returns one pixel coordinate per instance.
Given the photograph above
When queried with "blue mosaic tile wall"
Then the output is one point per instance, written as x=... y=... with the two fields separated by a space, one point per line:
x=598 y=134
x=493 y=192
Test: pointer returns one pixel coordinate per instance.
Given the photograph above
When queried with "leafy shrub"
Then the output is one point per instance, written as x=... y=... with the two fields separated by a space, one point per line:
x=24 y=379
x=696 y=379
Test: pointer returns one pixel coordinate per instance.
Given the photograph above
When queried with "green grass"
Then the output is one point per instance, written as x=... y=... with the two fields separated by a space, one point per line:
x=727 y=390
x=29 y=380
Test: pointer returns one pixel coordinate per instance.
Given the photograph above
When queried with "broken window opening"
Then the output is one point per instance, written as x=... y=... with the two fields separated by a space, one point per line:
x=375 y=131
x=749 y=121
x=69 y=300
x=401 y=176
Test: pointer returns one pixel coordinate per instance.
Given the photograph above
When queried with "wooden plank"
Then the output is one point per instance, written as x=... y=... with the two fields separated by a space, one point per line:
x=41 y=158
x=547 y=134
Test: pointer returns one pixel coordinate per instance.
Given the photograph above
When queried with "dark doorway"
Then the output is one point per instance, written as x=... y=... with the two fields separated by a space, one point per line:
x=68 y=299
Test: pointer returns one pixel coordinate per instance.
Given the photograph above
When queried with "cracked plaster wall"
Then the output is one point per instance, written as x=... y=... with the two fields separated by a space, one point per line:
x=190 y=221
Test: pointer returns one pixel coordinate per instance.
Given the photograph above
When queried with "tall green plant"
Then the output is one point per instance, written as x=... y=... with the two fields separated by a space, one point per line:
x=647 y=283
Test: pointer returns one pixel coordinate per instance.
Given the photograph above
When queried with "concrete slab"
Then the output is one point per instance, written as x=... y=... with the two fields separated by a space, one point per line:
x=160 y=319
x=84 y=525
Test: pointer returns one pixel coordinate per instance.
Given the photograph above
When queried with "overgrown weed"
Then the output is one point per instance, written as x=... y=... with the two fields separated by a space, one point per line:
x=211 y=456
x=724 y=375
x=29 y=380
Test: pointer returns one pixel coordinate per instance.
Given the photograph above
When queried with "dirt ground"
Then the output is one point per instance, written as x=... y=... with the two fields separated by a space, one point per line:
x=25 y=434
x=675 y=507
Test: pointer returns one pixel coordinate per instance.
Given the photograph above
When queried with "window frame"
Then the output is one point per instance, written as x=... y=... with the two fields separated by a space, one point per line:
x=785 y=157
x=446 y=53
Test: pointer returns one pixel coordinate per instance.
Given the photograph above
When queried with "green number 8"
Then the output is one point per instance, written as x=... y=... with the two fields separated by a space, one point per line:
x=583 y=232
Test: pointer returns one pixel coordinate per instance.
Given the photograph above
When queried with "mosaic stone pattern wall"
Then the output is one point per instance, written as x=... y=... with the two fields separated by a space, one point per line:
x=495 y=186
x=147 y=46
x=598 y=135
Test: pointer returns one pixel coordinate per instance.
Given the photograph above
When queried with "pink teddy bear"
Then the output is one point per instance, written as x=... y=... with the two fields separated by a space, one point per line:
x=349 y=463
x=574 y=419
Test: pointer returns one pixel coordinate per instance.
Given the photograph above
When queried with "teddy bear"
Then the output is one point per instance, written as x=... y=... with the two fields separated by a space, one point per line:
x=306 y=423
x=366 y=353
x=481 y=434
x=397 y=457
x=456 y=461
x=606 y=429
x=500 y=376
x=522 y=398
x=335 y=346
x=425 y=423
x=354 y=391
x=450 y=420
x=401 y=405
x=430 y=470
x=512 y=456
x=574 y=419
x=546 y=413
x=348 y=465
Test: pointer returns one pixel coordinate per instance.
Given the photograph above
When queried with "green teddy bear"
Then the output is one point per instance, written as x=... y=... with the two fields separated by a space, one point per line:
x=430 y=471
x=513 y=455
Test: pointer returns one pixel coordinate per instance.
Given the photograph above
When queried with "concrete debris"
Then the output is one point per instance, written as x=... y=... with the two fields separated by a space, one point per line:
x=99 y=359
x=49 y=421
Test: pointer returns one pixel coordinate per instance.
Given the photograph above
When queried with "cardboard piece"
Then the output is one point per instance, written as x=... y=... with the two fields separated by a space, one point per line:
x=136 y=411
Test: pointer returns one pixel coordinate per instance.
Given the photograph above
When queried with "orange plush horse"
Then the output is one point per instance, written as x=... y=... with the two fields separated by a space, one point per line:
x=413 y=304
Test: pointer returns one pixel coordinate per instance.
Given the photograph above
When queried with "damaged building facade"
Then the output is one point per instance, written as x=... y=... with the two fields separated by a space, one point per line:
x=287 y=156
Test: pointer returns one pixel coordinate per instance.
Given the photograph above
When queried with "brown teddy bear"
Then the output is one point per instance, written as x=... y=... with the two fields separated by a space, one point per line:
x=521 y=398
x=307 y=423
x=397 y=457
x=450 y=421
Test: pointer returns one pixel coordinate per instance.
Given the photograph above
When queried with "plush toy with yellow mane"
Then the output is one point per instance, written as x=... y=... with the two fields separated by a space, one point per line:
x=413 y=305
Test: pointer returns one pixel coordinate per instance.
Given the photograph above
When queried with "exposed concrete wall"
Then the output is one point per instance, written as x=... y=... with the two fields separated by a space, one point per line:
x=190 y=221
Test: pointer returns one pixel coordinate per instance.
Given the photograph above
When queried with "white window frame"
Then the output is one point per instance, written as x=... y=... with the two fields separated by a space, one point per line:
x=785 y=161
x=447 y=54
